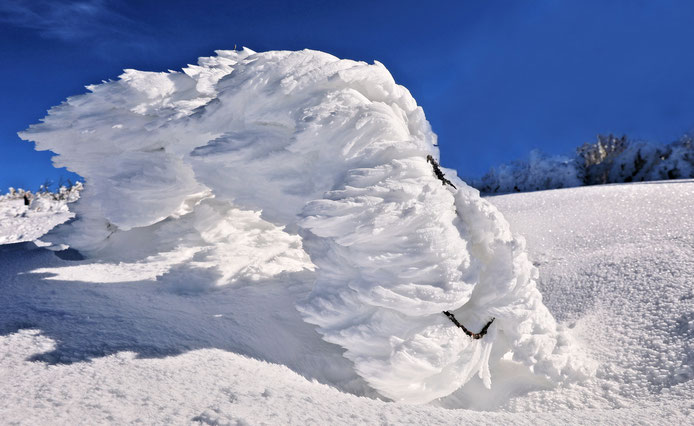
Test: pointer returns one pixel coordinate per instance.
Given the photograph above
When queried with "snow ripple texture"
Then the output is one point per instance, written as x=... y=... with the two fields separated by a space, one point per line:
x=301 y=152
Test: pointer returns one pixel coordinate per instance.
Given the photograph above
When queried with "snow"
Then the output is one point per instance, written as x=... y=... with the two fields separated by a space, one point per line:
x=19 y=222
x=621 y=278
x=94 y=341
x=303 y=169
x=266 y=240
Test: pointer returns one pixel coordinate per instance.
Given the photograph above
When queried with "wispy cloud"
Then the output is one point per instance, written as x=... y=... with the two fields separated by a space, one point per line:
x=70 y=20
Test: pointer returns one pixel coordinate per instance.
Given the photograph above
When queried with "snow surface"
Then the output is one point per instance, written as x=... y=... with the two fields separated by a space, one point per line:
x=299 y=167
x=98 y=342
x=19 y=222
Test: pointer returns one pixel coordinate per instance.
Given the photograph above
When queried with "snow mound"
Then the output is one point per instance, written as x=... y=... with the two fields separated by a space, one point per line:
x=307 y=153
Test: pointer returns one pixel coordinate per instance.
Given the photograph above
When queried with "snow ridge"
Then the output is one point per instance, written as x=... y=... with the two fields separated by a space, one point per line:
x=320 y=156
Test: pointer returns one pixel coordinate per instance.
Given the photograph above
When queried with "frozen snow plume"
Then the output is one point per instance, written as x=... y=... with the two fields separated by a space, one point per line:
x=326 y=157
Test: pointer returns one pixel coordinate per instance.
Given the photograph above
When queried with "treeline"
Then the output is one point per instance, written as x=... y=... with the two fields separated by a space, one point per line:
x=610 y=159
x=64 y=191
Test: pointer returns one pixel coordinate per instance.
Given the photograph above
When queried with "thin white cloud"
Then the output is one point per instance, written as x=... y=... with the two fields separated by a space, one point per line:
x=70 y=20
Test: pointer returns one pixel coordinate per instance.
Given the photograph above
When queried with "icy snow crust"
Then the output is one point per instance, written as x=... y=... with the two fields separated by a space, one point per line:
x=248 y=161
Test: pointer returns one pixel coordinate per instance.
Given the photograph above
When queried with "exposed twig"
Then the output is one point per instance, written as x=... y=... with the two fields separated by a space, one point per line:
x=465 y=330
x=437 y=171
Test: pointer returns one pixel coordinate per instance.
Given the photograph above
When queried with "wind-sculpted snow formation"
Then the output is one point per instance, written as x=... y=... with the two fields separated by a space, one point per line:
x=307 y=153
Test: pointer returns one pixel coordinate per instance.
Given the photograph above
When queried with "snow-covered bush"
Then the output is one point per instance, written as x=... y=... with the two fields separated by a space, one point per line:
x=536 y=173
x=325 y=156
x=645 y=161
x=609 y=160
x=14 y=194
x=44 y=198
x=595 y=160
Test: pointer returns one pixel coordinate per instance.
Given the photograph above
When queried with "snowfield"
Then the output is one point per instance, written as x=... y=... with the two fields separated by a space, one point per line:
x=95 y=342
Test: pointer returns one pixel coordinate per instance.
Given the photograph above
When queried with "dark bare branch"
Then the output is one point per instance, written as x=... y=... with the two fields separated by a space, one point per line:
x=465 y=330
x=437 y=171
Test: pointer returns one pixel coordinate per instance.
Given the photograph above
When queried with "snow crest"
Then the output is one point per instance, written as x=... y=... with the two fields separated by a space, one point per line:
x=302 y=152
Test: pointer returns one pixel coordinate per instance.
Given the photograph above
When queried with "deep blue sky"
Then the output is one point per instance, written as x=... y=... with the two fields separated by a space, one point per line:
x=496 y=78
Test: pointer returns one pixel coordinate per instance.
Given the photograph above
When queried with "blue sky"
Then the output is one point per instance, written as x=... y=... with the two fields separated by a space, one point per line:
x=496 y=78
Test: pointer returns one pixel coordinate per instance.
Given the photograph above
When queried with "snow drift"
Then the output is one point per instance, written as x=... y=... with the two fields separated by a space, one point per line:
x=307 y=153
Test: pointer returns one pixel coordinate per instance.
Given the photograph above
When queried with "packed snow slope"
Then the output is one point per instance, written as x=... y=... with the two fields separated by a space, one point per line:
x=253 y=166
x=101 y=342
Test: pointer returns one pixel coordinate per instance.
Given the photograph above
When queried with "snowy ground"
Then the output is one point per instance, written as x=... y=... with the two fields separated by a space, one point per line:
x=94 y=342
x=20 y=223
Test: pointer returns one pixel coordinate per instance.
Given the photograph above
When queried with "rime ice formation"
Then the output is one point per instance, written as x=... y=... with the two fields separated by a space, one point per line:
x=320 y=156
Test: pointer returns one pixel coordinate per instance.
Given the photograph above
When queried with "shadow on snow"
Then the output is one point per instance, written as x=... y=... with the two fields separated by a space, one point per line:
x=89 y=319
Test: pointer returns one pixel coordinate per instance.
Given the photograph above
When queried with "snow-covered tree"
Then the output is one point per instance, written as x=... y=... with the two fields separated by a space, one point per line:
x=327 y=157
x=609 y=160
